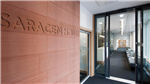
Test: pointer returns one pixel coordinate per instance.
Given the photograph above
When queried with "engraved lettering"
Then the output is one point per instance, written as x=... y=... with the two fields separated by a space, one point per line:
x=59 y=30
x=19 y=24
x=54 y=29
x=47 y=29
x=40 y=27
x=5 y=22
x=65 y=31
x=31 y=23
x=73 y=32
x=68 y=31
x=37 y=27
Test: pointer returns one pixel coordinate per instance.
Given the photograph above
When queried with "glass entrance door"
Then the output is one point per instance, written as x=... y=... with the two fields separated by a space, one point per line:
x=142 y=46
x=101 y=46
x=146 y=46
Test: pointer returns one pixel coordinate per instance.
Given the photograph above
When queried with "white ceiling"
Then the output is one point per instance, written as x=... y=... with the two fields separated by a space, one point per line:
x=115 y=23
x=101 y=6
x=129 y=22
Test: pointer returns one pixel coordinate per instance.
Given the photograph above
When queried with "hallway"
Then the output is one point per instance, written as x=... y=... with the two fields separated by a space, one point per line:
x=119 y=66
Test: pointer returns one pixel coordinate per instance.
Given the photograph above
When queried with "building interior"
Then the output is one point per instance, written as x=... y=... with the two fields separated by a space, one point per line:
x=75 y=42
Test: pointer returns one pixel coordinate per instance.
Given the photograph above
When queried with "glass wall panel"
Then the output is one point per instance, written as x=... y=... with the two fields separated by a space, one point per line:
x=146 y=46
x=100 y=64
x=84 y=55
x=139 y=45
x=107 y=63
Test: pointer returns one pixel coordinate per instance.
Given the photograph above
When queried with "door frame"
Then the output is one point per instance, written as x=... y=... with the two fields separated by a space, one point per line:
x=88 y=33
x=141 y=9
x=137 y=43
x=107 y=74
x=135 y=8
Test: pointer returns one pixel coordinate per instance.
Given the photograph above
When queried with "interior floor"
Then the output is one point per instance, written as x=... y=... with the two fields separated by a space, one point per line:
x=100 y=69
x=82 y=76
x=99 y=80
x=119 y=66
x=146 y=78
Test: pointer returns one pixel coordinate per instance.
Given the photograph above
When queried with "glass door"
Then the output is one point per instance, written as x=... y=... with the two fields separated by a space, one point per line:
x=101 y=46
x=143 y=46
x=146 y=46
x=84 y=55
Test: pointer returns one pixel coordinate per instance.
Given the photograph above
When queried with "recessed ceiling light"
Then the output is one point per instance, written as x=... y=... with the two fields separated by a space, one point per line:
x=122 y=15
x=100 y=23
x=122 y=26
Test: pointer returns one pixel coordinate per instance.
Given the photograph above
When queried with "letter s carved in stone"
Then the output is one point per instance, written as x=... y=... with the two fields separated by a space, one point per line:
x=5 y=23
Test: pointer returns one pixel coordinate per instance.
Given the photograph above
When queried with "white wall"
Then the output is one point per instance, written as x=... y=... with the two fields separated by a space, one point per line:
x=85 y=18
x=121 y=37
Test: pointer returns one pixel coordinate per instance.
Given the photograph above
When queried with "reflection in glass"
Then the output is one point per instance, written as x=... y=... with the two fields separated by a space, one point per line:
x=111 y=43
x=100 y=65
x=139 y=47
x=146 y=46
x=107 y=61
x=84 y=60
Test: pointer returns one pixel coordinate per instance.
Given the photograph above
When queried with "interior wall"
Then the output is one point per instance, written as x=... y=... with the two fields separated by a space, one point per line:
x=121 y=37
x=40 y=42
x=86 y=24
x=86 y=18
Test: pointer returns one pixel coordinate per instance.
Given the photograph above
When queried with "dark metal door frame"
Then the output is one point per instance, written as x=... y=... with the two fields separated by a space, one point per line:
x=136 y=45
x=141 y=9
x=141 y=45
x=88 y=33
x=95 y=47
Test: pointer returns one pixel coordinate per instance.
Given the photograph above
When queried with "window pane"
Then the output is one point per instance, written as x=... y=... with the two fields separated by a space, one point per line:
x=100 y=65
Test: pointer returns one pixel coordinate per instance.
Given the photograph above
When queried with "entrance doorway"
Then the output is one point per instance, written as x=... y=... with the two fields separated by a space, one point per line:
x=104 y=44
x=142 y=45
x=121 y=64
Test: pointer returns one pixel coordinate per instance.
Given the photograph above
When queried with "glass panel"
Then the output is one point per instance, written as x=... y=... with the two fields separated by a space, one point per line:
x=107 y=63
x=139 y=47
x=100 y=64
x=111 y=43
x=146 y=46
x=84 y=53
